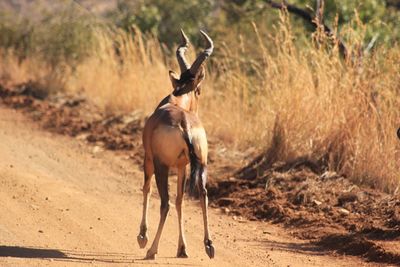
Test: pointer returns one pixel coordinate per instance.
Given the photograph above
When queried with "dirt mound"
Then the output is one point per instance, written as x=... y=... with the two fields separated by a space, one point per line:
x=356 y=245
x=325 y=207
x=74 y=116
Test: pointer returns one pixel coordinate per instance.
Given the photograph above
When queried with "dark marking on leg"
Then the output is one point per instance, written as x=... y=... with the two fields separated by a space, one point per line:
x=161 y=172
x=181 y=253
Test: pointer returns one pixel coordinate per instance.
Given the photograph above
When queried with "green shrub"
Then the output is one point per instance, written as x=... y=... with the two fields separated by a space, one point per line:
x=65 y=36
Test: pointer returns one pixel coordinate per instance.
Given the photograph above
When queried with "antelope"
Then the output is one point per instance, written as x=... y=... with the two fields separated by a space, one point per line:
x=173 y=136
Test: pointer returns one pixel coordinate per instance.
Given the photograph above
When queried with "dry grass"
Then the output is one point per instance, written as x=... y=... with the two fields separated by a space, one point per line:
x=345 y=113
x=136 y=79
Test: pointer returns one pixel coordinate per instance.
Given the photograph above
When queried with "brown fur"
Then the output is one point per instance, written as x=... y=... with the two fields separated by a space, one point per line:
x=173 y=136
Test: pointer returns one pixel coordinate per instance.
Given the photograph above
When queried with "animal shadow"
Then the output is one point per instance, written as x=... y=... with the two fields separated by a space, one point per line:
x=71 y=255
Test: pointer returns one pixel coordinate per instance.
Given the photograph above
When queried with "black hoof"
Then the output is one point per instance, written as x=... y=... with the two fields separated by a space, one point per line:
x=182 y=253
x=142 y=240
x=209 y=249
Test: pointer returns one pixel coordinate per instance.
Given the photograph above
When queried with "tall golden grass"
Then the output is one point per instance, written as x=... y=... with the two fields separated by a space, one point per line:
x=344 y=112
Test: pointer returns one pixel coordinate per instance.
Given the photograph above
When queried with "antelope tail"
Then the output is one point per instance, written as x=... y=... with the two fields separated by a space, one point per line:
x=195 y=164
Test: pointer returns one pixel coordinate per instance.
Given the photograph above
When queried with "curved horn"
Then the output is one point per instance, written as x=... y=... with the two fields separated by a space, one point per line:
x=203 y=55
x=180 y=53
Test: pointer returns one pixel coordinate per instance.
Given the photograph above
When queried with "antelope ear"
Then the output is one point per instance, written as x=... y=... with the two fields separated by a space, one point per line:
x=200 y=75
x=174 y=79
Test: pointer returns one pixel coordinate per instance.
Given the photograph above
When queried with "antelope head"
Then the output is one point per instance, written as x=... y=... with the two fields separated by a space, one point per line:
x=187 y=85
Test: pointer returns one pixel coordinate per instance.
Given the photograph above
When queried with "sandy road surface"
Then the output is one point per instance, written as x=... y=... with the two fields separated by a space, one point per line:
x=62 y=205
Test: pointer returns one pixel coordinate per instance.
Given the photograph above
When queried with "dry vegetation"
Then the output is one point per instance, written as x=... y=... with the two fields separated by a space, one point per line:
x=303 y=102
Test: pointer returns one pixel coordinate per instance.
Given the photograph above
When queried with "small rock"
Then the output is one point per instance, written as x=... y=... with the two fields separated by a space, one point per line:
x=40 y=231
x=329 y=175
x=226 y=210
x=97 y=149
x=241 y=220
x=316 y=202
x=344 y=211
x=362 y=196
x=34 y=207
x=82 y=136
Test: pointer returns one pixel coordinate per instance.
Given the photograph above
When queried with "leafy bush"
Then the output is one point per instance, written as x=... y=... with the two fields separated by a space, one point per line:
x=65 y=36
x=164 y=18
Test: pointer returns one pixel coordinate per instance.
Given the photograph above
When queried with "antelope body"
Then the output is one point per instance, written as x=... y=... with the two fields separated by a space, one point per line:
x=173 y=136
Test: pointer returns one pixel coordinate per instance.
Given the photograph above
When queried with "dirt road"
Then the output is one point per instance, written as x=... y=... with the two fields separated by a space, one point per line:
x=65 y=204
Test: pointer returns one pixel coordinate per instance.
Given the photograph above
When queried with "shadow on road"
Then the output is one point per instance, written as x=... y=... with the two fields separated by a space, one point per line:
x=298 y=248
x=26 y=252
x=71 y=255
